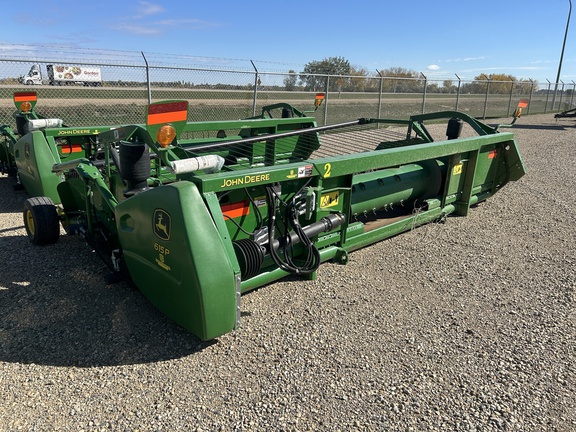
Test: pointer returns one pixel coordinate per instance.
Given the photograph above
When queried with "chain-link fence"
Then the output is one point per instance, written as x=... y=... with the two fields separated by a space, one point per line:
x=118 y=93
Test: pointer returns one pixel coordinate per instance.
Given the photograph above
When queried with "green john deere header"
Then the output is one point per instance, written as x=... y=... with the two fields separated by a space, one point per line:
x=195 y=214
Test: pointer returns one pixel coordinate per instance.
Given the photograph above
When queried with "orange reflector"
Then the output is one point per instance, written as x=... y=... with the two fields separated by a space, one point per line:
x=25 y=97
x=168 y=112
x=67 y=149
x=236 y=209
x=492 y=154
x=165 y=135
x=523 y=103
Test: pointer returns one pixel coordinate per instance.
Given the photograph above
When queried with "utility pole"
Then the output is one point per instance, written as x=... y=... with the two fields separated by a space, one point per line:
x=561 y=57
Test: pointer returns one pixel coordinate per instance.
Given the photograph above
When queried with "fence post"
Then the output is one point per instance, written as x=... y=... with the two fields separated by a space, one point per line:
x=147 y=78
x=256 y=79
x=424 y=94
x=326 y=100
x=547 y=96
x=530 y=97
x=572 y=95
x=486 y=98
x=510 y=99
x=380 y=96
x=458 y=91
x=561 y=95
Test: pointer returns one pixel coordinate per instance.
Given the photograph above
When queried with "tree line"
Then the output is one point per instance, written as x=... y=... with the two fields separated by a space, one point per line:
x=337 y=74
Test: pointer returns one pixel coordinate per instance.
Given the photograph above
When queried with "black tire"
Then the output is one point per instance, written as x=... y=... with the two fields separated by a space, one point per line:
x=41 y=221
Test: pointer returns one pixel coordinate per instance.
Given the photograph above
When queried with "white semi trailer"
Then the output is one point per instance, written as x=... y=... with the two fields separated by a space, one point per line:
x=63 y=75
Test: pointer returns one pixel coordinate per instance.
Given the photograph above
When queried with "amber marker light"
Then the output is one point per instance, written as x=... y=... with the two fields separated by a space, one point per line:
x=25 y=106
x=165 y=135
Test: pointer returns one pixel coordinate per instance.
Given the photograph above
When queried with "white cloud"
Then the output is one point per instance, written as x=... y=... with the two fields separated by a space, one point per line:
x=544 y=61
x=142 y=23
x=147 y=8
x=433 y=67
x=136 y=29
x=185 y=22
x=161 y=26
x=465 y=59
x=503 y=69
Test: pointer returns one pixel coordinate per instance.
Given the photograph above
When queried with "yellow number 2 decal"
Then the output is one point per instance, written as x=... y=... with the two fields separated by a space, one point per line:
x=327 y=170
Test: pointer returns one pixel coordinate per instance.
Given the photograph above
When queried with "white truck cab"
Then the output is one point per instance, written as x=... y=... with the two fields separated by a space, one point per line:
x=34 y=76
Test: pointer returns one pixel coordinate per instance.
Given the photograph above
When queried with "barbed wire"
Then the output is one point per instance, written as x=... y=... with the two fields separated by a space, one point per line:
x=54 y=53
x=45 y=54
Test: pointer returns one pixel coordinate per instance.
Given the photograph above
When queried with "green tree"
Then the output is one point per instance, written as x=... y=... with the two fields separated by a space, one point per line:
x=449 y=86
x=499 y=84
x=524 y=86
x=401 y=80
x=291 y=80
x=313 y=76
x=478 y=86
x=359 y=80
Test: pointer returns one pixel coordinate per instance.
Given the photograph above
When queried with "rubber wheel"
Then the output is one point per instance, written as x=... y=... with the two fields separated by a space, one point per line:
x=41 y=221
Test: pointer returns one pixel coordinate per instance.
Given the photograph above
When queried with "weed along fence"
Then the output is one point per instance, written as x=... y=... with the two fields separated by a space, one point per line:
x=112 y=91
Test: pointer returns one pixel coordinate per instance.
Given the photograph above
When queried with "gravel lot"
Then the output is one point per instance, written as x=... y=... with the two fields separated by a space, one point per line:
x=468 y=325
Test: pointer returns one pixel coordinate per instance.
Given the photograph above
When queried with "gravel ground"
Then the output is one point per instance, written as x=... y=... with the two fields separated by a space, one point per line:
x=467 y=325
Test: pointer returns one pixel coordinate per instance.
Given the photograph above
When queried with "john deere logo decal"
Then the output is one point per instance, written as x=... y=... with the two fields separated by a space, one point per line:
x=162 y=224
x=27 y=151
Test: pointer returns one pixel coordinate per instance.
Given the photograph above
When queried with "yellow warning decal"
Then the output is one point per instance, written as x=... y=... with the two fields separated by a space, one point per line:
x=457 y=169
x=330 y=199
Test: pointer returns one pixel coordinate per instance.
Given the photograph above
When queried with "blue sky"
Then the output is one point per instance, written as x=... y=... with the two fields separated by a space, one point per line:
x=438 y=38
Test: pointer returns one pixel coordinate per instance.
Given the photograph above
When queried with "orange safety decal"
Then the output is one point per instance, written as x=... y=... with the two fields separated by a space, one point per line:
x=168 y=112
x=523 y=103
x=236 y=209
x=492 y=154
x=25 y=97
